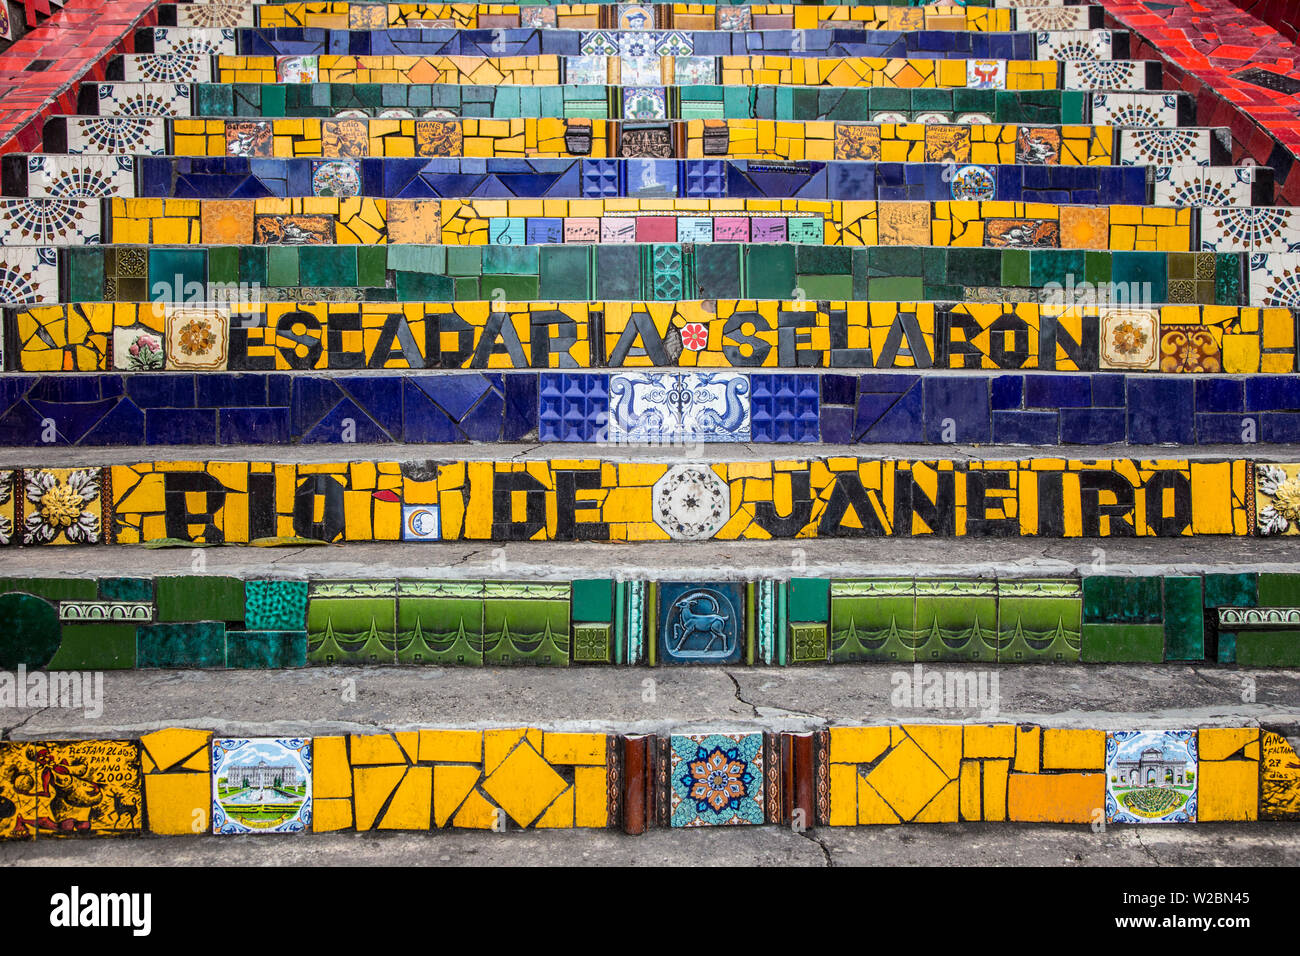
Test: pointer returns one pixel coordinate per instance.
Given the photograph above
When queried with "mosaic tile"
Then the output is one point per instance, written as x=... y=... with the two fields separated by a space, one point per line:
x=717 y=779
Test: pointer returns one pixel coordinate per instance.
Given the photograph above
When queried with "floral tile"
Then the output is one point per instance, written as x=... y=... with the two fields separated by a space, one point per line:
x=1275 y=279
x=198 y=41
x=144 y=99
x=61 y=505
x=1250 y=229
x=690 y=502
x=1277 y=498
x=1204 y=185
x=261 y=785
x=140 y=134
x=1129 y=338
x=1075 y=45
x=1105 y=75
x=38 y=222
x=81 y=177
x=137 y=348
x=1164 y=146
x=167 y=68
x=717 y=779
x=1151 y=776
x=196 y=338
x=1139 y=110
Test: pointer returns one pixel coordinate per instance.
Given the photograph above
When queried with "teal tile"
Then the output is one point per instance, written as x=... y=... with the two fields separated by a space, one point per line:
x=266 y=649
x=771 y=272
x=85 y=275
x=31 y=631
x=196 y=644
x=510 y=260
x=1184 y=619
x=464 y=260
x=126 y=589
x=1113 y=599
x=275 y=605
x=1231 y=590
x=565 y=273
x=593 y=600
x=327 y=265
x=810 y=599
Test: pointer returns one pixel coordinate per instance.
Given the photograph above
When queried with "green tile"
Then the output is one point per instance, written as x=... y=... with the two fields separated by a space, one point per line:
x=1123 y=643
x=327 y=265
x=1279 y=590
x=282 y=266
x=53 y=589
x=873 y=620
x=199 y=598
x=372 y=266
x=1096 y=267
x=510 y=260
x=273 y=98
x=1268 y=648
x=770 y=271
x=1112 y=599
x=1227 y=648
x=1232 y=590
x=826 y=287
x=1184 y=619
x=275 y=605
x=809 y=642
x=1035 y=627
x=126 y=589
x=526 y=631
x=223 y=264
x=824 y=260
x=974 y=267
x=565 y=273
x=85 y=275
x=717 y=269
x=95 y=647
x=266 y=649
x=1015 y=267
x=196 y=644
x=591 y=643
x=443 y=629
x=31 y=631
x=511 y=288
x=810 y=599
x=901 y=288
x=593 y=600
x=956 y=621
x=175 y=274
x=467 y=288
x=464 y=260
x=355 y=624
x=252 y=265
x=424 y=287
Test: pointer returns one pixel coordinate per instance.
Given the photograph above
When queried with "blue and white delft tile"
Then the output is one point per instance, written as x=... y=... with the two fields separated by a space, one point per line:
x=1164 y=146
x=29 y=275
x=144 y=99
x=84 y=177
x=1203 y=185
x=690 y=502
x=635 y=16
x=253 y=804
x=166 y=68
x=117 y=135
x=1250 y=229
x=1075 y=45
x=1137 y=110
x=1105 y=75
x=1052 y=18
x=215 y=15
x=597 y=43
x=677 y=407
x=42 y=222
x=219 y=42
x=717 y=779
x=1151 y=776
x=1275 y=279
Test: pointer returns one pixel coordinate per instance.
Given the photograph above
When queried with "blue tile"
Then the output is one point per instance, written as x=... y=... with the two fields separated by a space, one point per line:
x=1224 y=428
x=890 y=416
x=572 y=407
x=1160 y=410
x=1057 y=391
x=1281 y=427
x=837 y=425
x=379 y=396
x=124 y=425
x=1007 y=391
x=520 y=407
x=1269 y=393
x=161 y=391
x=1025 y=428
x=963 y=401
x=456 y=394
x=424 y=421
x=231 y=391
x=254 y=426
x=1108 y=390
x=1093 y=426
x=180 y=426
x=784 y=408
x=344 y=419
x=839 y=389
x=1217 y=394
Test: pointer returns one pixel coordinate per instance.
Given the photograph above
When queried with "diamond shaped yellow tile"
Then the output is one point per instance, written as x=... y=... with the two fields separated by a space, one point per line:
x=524 y=784
x=907 y=779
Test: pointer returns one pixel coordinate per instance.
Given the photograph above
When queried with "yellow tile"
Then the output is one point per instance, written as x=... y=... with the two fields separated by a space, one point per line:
x=871 y=807
x=1228 y=790
x=451 y=786
x=942 y=809
x=451 y=747
x=991 y=740
x=330 y=774
x=907 y=779
x=584 y=749
x=1074 y=749
x=941 y=743
x=523 y=784
x=169 y=747
x=1027 y=745
x=971 y=790
x=591 y=806
x=1220 y=743
x=329 y=815
x=178 y=802
x=375 y=749
x=1056 y=797
x=995 y=789
x=558 y=815
x=475 y=813
x=858 y=744
x=372 y=788
x=411 y=805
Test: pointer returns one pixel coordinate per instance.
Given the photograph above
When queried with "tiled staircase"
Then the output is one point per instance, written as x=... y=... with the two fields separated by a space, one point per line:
x=400 y=291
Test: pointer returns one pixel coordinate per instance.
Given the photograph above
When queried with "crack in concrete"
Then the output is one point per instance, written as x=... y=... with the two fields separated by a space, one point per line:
x=750 y=704
x=1137 y=835
x=812 y=835
x=6 y=733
